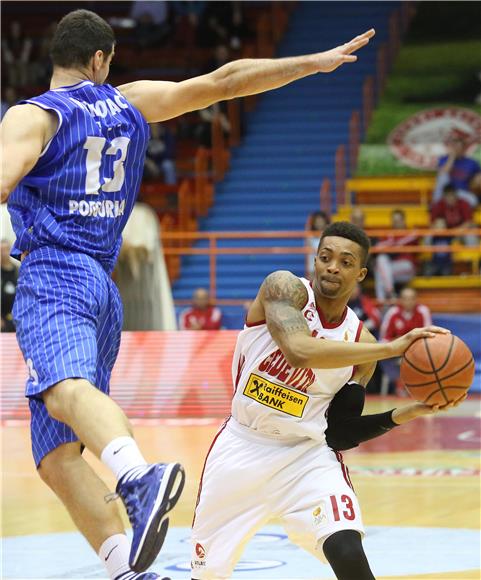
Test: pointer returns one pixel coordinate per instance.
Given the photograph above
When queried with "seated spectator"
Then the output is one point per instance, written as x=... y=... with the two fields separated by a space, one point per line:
x=456 y=169
x=318 y=222
x=398 y=321
x=456 y=212
x=16 y=55
x=357 y=217
x=366 y=310
x=441 y=263
x=9 y=275
x=203 y=128
x=152 y=22
x=201 y=316
x=187 y=16
x=223 y=22
x=394 y=268
x=160 y=156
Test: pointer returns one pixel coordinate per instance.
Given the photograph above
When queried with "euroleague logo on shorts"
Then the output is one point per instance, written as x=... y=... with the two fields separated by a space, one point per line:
x=199 y=551
x=420 y=140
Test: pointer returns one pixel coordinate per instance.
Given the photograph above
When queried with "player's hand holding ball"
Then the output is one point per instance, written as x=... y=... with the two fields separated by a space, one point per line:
x=436 y=370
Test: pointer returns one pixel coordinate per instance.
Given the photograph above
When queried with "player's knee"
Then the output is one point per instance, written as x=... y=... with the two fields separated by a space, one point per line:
x=53 y=466
x=61 y=399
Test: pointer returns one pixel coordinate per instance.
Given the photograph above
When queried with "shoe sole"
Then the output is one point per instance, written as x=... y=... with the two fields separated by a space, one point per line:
x=155 y=531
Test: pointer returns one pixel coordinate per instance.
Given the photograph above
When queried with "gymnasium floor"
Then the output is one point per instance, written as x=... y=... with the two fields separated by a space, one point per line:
x=419 y=488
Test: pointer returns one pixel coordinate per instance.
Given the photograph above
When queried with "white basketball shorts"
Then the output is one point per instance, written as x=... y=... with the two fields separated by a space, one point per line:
x=250 y=479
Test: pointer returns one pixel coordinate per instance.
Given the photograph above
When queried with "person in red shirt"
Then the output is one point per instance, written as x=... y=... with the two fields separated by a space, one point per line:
x=398 y=321
x=456 y=212
x=201 y=316
x=392 y=268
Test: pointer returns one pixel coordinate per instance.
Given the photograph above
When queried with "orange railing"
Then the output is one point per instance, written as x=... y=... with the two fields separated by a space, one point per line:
x=170 y=240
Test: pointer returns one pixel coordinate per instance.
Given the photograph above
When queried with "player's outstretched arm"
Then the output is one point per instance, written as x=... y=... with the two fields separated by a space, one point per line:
x=161 y=100
x=282 y=298
x=24 y=131
x=347 y=427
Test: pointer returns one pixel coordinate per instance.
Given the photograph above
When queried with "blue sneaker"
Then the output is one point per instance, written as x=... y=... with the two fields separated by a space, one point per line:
x=142 y=576
x=149 y=493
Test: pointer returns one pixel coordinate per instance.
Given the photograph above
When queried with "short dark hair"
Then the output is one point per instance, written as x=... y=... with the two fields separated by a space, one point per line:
x=78 y=37
x=449 y=188
x=350 y=232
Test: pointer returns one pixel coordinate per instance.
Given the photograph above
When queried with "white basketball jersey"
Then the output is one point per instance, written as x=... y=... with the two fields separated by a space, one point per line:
x=275 y=399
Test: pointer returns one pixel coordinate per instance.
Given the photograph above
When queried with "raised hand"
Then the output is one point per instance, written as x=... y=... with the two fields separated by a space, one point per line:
x=334 y=58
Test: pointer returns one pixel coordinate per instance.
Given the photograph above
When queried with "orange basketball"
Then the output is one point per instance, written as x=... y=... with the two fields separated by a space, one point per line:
x=437 y=370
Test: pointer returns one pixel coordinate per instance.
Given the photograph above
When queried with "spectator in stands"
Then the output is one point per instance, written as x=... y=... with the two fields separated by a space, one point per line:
x=398 y=321
x=317 y=223
x=201 y=316
x=441 y=263
x=357 y=217
x=152 y=22
x=456 y=169
x=16 y=55
x=42 y=64
x=187 y=16
x=203 y=128
x=8 y=281
x=9 y=99
x=223 y=22
x=366 y=310
x=456 y=212
x=160 y=157
x=394 y=268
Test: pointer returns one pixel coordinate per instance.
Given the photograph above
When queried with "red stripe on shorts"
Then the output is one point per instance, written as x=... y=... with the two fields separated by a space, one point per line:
x=345 y=470
x=205 y=463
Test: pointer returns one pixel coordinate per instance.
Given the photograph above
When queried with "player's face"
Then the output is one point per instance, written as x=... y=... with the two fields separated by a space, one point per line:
x=338 y=267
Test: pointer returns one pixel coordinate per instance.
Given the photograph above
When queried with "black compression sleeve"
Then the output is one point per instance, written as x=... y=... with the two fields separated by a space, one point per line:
x=346 y=428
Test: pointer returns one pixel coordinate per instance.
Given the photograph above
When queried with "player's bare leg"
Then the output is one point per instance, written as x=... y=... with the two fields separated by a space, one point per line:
x=346 y=556
x=95 y=417
x=82 y=492
x=149 y=492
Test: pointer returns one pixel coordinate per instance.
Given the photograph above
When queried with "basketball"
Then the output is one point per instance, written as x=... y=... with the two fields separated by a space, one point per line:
x=437 y=370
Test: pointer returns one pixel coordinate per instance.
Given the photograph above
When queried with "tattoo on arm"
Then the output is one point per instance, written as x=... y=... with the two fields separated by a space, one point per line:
x=284 y=296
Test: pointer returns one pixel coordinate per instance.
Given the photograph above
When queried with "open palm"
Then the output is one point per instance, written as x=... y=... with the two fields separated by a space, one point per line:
x=334 y=58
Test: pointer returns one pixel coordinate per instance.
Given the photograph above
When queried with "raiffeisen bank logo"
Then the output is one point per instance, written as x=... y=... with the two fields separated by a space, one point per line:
x=420 y=140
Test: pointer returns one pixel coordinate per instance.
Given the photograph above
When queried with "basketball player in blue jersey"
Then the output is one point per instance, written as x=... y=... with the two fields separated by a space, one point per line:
x=72 y=165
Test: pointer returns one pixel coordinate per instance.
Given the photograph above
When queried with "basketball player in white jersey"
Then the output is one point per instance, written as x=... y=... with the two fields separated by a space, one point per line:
x=299 y=371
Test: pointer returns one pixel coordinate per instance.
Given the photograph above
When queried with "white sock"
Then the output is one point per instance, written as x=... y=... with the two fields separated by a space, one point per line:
x=122 y=455
x=114 y=553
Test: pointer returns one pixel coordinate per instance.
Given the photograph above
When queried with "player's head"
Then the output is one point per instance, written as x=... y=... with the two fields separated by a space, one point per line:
x=341 y=260
x=83 y=41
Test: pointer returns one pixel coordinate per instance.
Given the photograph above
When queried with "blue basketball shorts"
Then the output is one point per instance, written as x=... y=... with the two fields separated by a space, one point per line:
x=68 y=316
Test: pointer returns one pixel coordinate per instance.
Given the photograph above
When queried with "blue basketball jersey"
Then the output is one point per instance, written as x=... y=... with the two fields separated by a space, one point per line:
x=81 y=192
